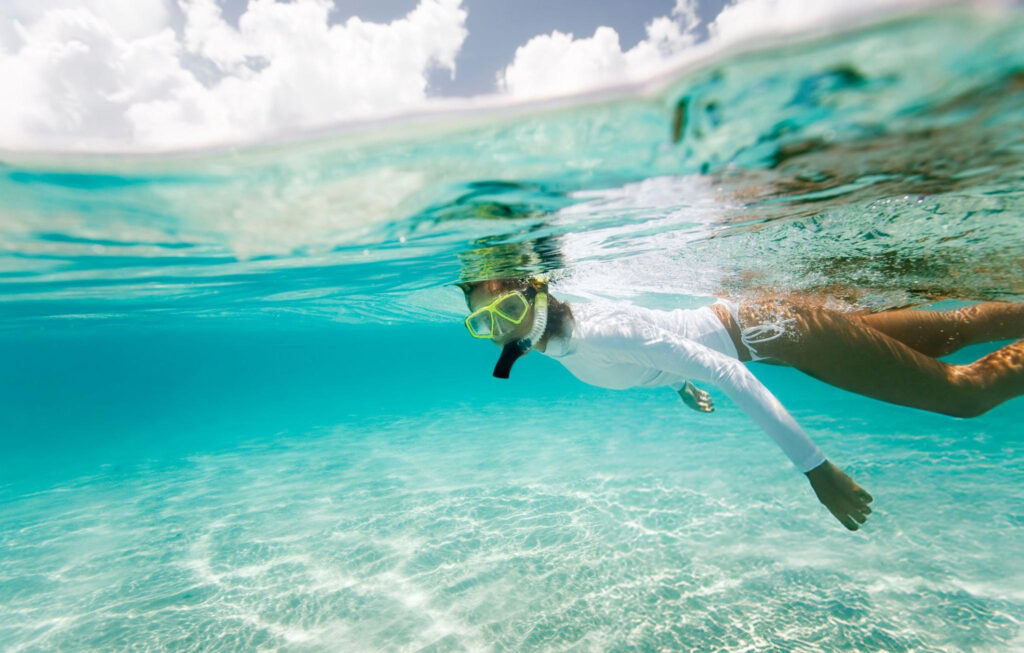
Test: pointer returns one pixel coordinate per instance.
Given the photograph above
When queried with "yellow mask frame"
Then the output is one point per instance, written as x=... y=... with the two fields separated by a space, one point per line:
x=504 y=307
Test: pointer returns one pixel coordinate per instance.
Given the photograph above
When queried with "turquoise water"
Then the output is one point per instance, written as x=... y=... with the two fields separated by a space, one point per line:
x=238 y=410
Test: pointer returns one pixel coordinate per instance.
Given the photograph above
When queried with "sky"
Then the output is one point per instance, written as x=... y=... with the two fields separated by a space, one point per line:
x=116 y=75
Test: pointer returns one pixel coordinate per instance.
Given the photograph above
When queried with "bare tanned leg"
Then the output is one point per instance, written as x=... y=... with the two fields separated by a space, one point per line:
x=935 y=333
x=843 y=351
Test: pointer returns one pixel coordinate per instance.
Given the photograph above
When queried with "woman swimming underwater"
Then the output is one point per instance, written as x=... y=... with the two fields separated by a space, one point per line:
x=888 y=356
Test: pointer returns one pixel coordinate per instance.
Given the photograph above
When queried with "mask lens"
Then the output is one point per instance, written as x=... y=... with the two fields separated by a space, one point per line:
x=480 y=324
x=513 y=308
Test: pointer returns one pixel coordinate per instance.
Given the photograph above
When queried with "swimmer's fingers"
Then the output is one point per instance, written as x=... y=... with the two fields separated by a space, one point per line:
x=696 y=398
x=705 y=402
x=860 y=501
x=858 y=507
x=702 y=397
x=845 y=519
x=700 y=406
x=842 y=510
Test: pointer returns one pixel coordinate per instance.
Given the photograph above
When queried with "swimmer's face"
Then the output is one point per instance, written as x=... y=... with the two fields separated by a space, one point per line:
x=504 y=332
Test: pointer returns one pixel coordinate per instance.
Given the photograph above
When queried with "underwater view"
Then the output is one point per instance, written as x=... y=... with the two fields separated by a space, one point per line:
x=240 y=410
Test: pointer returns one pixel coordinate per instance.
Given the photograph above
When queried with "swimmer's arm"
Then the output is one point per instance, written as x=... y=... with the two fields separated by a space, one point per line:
x=846 y=500
x=691 y=360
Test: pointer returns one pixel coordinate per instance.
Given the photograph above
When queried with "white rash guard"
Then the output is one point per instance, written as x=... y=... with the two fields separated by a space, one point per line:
x=623 y=346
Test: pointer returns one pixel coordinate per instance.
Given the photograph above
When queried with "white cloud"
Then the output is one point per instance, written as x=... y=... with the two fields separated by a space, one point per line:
x=115 y=74
x=94 y=75
x=129 y=18
x=559 y=64
x=749 y=18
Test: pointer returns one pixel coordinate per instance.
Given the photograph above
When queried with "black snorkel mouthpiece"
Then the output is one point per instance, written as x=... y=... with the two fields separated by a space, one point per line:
x=510 y=353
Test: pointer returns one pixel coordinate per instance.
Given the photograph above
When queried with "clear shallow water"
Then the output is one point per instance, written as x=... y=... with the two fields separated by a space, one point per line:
x=238 y=410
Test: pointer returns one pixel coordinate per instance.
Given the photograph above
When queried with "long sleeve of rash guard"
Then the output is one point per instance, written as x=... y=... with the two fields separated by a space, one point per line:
x=687 y=359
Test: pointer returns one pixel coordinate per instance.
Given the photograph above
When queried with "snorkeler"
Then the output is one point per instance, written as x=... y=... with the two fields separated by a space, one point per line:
x=888 y=356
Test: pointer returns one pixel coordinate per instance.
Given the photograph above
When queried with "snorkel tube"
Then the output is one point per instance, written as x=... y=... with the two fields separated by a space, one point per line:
x=511 y=352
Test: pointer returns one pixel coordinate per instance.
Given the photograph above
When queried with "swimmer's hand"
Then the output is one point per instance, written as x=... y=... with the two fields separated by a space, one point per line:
x=696 y=398
x=847 y=501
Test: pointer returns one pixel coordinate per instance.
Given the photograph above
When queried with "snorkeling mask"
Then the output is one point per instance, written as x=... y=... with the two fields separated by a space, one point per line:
x=512 y=308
